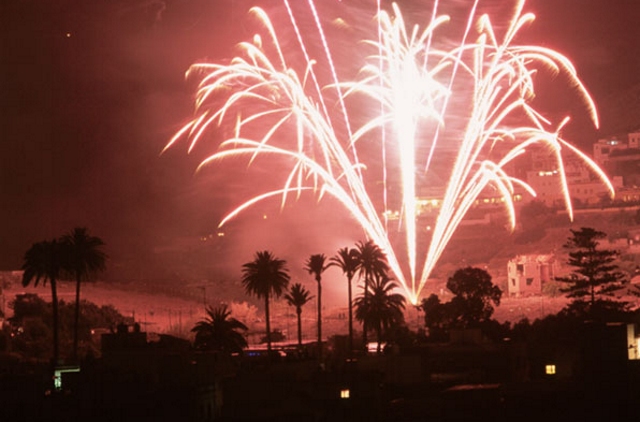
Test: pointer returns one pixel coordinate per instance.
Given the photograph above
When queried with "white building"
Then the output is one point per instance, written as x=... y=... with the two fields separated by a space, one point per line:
x=526 y=274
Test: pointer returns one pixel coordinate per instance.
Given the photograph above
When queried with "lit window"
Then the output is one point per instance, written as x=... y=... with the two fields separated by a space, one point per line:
x=344 y=393
x=57 y=375
x=550 y=369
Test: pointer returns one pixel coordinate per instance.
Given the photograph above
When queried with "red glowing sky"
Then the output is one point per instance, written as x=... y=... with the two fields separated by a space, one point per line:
x=92 y=91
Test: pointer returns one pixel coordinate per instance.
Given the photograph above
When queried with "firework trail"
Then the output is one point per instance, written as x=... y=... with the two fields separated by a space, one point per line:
x=276 y=111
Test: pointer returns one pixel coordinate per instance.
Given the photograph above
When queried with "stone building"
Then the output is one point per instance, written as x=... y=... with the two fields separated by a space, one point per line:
x=528 y=273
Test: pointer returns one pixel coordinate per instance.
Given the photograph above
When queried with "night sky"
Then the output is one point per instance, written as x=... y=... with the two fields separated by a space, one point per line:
x=91 y=91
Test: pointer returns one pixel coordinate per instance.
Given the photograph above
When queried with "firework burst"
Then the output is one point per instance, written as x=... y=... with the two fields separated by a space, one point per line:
x=410 y=83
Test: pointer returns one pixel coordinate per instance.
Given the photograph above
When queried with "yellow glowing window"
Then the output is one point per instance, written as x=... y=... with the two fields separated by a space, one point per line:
x=344 y=393
x=550 y=369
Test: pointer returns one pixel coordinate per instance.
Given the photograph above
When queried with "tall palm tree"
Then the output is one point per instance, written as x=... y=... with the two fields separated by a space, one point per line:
x=219 y=331
x=316 y=265
x=381 y=308
x=84 y=258
x=298 y=296
x=266 y=276
x=372 y=262
x=347 y=260
x=44 y=261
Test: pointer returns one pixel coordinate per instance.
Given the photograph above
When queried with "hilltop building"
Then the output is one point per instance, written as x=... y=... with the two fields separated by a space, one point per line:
x=620 y=158
x=528 y=273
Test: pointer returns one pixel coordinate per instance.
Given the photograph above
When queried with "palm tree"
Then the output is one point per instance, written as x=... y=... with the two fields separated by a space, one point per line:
x=316 y=265
x=372 y=262
x=84 y=258
x=264 y=277
x=381 y=309
x=43 y=261
x=298 y=296
x=347 y=260
x=219 y=332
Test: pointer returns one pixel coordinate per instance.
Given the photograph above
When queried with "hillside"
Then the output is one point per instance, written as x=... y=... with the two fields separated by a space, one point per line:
x=175 y=304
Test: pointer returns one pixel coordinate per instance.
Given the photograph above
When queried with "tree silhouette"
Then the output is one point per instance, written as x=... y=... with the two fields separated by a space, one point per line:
x=474 y=296
x=266 y=276
x=381 y=308
x=347 y=260
x=34 y=315
x=471 y=306
x=219 y=331
x=84 y=257
x=43 y=261
x=298 y=296
x=372 y=262
x=595 y=276
x=315 y=265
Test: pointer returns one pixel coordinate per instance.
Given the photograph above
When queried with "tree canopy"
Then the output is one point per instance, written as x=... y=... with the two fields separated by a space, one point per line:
x=381 y=309
x=473 y=303
x=265 y=277
x=45 y=261
x=84 y=257
x=298 y=296
x=218 y=331
x=347 y=260
x=595 y=277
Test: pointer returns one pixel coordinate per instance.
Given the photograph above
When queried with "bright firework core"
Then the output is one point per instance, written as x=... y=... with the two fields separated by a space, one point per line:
x=469 y=104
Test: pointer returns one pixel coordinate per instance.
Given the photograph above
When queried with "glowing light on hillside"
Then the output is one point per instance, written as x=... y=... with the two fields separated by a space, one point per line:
x=278 y=111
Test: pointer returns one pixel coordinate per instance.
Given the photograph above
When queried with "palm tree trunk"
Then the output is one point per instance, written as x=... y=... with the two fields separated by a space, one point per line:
x=350 y=319
x=379 y=333
x=54 y=304
x=299 y=312
x=364 y=322
x=266 y=315
x=319 y=318
x=76 y=320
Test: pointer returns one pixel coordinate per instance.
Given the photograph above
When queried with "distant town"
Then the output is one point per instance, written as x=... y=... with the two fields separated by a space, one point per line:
x=447 y=358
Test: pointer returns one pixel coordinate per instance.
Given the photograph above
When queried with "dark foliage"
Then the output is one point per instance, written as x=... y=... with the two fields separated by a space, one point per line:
x=595 y=277
x=471 y=307
x=381 y=309
x=265 y=277
x=84 y=257
x=220 y=332
x=44 y=261
x=32 y=325
x=347 y=260
x=315 y=265
x=298 y=296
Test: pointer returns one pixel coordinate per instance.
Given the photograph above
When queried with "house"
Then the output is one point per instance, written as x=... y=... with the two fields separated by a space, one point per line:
x=527 y=274
x=620 y=158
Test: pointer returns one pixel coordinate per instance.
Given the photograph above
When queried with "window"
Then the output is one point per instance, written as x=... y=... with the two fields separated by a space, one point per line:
x=57 y=375
x=550 y=369
x=529 y=281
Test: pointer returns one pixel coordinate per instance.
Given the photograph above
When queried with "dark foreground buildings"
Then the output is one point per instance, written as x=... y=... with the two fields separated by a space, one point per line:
x=139 y=378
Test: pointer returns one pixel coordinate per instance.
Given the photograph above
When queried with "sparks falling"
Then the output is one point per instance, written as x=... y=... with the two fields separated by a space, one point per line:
x=410 y=82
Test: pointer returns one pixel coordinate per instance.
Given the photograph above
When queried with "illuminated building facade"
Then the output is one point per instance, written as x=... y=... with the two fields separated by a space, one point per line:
x=527 y=273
